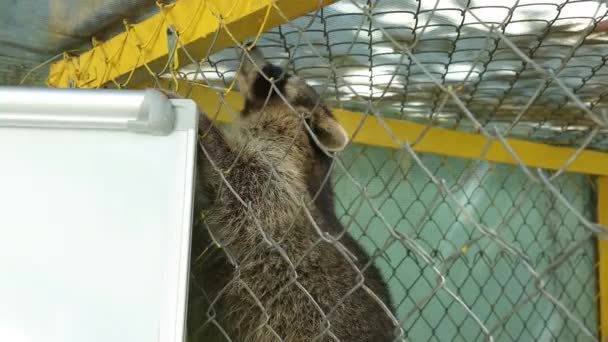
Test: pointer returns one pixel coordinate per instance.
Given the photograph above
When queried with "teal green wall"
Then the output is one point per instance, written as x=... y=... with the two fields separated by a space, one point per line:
x=388 y=188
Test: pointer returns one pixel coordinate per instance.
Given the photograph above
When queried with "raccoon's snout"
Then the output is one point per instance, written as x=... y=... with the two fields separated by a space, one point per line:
x=252 y=61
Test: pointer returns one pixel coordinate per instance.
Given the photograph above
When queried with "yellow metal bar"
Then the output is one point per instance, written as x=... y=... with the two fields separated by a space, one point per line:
x=602 y=216
x=437 y=140
x=203 y=26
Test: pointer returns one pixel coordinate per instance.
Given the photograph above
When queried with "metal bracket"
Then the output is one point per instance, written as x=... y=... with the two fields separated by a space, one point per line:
x=156 y=115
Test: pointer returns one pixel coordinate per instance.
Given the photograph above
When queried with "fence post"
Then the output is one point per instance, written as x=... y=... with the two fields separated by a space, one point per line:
x=602 y=216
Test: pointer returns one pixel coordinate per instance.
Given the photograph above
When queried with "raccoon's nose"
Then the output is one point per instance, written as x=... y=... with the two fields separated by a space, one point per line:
x=250 y=46
x=254 y=61
x=252 y=50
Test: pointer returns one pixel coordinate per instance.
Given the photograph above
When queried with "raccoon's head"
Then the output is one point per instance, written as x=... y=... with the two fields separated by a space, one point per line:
x=290 y=111
x=287 y=100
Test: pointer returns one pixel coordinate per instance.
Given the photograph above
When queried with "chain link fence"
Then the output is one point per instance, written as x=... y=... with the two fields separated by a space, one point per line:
x=492 y=282
x=470 y=250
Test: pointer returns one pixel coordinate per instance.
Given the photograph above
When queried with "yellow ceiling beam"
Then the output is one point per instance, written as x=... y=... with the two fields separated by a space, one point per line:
x=203 y=26
x=602 y=213
x=207 y=26
x=439 y=141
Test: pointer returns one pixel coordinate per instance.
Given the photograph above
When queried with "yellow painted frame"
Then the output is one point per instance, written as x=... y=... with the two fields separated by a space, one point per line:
x=602 y=218
x=203 y=26
x=439 y=141
x=208 y=26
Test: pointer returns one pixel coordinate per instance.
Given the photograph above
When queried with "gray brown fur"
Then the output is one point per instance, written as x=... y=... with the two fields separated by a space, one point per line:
x=249 y=286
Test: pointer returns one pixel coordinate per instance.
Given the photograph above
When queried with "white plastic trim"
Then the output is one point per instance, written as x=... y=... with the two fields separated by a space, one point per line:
x=146 y=111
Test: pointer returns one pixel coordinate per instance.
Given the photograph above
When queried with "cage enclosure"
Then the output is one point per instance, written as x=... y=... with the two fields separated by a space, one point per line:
x=475 y=174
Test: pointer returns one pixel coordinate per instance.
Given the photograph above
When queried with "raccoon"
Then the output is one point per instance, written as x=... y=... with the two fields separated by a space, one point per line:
x=270 y=259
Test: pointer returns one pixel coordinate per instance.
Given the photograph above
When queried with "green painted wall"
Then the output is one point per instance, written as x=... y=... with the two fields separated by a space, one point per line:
x=386 y=188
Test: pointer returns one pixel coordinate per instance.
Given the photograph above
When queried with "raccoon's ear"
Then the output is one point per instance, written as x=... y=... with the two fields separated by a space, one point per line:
x=330 y=133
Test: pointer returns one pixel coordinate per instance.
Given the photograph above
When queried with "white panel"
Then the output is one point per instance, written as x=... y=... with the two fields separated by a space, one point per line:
x=94 y=234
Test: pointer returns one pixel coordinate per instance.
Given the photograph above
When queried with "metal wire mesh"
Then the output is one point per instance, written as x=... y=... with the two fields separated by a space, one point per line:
x=470 y=250
x=493 y=283
x=356 y=52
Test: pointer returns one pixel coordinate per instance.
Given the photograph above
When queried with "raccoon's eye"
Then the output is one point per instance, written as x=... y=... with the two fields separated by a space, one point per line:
x=307 y=116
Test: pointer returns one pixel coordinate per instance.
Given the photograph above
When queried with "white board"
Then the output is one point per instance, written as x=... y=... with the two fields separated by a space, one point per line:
x=94 y=218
